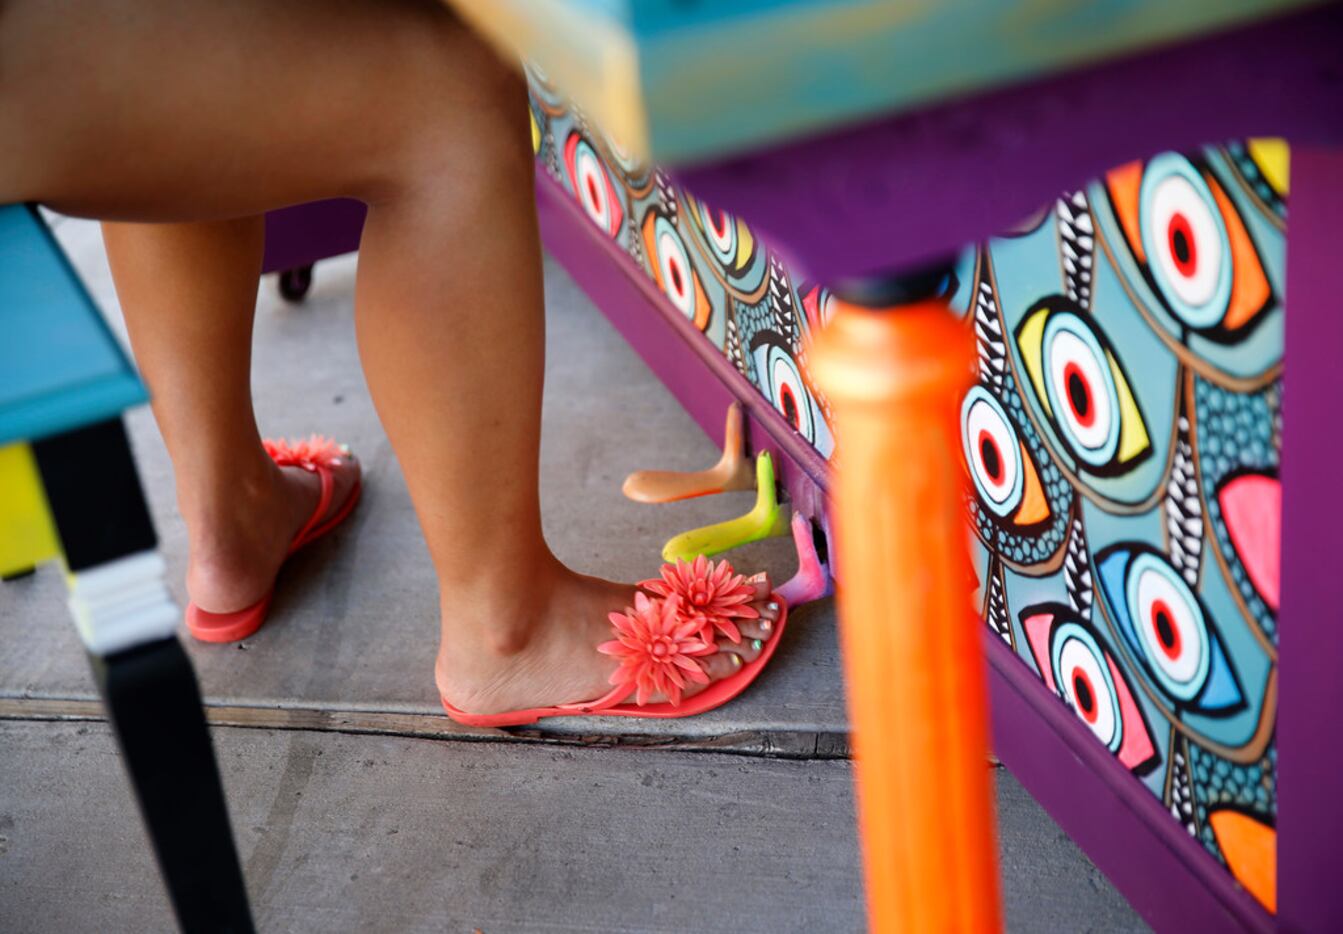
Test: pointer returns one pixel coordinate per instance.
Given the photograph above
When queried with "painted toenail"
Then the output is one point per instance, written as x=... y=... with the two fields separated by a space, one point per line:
x=766 y=625
x=757 y=644
x=736 y=659
x=772 y=605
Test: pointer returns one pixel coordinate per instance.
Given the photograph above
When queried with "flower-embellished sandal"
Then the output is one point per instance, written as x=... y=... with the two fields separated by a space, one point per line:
x=315 y=454
x=675 y=621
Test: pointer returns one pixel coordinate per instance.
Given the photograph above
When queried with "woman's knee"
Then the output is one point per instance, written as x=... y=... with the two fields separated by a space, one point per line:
x=463 y=111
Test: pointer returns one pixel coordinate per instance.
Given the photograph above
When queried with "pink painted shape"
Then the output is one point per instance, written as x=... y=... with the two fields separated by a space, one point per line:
x=1037 y=634
x=1137 y=746
x=812 y=581
x=812 y=307
x=1252 y=507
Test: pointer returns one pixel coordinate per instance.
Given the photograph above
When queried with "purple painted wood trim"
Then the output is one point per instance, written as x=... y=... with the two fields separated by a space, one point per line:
x=1310 y=739
x=672 y=347
x=303 y=234
x=906 y=188
x=1167 y=876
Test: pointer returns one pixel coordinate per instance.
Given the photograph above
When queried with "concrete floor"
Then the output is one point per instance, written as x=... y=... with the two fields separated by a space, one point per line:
x=357 y=806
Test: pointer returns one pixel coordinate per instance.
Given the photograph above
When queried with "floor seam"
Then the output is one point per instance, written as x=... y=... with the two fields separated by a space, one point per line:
x=793 y=745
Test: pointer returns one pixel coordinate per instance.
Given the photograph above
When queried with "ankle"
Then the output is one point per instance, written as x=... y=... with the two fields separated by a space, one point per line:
x=219 y=500
x=495 y=623
x=235 y=535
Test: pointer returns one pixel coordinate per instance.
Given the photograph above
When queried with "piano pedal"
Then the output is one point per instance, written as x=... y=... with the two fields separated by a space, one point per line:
x=767 y=519
x=812 y=580
x=732 y=472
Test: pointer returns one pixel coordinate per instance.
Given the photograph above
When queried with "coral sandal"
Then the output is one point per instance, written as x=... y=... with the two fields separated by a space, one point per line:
x=674 y=622
x=315 y=454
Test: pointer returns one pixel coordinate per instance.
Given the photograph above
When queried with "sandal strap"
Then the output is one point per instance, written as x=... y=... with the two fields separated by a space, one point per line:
x=323 y=503
x=315 y=454
x=617 y=695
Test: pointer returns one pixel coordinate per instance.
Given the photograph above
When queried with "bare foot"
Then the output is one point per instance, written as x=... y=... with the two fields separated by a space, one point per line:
x=238 y=540
x=492 y=665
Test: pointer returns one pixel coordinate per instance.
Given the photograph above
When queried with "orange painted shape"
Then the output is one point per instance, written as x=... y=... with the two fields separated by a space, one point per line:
x=702 y=308
x=1250 y=291
x=1251 y=852
x=1124 y=183
x=1034 y=507
x=651 y=247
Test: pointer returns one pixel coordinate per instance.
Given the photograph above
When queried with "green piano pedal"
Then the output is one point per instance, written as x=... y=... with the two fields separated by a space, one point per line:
x=767 y=519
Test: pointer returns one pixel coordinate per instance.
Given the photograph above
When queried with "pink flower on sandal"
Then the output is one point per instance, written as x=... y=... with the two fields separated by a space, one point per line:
x=309 y=453
x=657 y=646
x=711 y=595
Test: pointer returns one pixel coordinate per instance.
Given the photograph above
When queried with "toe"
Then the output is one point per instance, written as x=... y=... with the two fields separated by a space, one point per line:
x=762 y=628
x=731 y=656
x=346 y=472
x=722 y=664
x=764 y=602
x=763 y=586
x=345 y=475
x=749 y=648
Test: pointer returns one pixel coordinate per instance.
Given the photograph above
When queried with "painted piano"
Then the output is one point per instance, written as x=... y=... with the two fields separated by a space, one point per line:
x=1140 y=509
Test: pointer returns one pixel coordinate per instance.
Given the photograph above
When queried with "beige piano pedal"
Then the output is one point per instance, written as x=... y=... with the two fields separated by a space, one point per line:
x=732 y=472
x=767 y=519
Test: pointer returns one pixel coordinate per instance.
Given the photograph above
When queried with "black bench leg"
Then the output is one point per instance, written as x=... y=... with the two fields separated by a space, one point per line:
x=128 y=623
x=155 y=707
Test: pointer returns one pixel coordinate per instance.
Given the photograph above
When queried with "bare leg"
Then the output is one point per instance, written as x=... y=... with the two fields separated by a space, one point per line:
x=272 y=104
x=189 y=292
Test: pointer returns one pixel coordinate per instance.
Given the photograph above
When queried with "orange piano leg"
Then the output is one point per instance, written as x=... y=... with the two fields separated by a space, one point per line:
x=912 y=652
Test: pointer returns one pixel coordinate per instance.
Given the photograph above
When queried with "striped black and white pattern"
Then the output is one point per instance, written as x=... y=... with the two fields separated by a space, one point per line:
x=995 y=612
x=1077 y=570
x=1184 y=510
x=1181 y=802
x=989 y=342
x=1077 y=245
x=781 y=304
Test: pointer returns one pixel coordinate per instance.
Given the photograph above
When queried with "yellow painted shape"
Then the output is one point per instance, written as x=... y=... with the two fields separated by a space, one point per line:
x=1034 y=507
x=1251 y=852
x=536 y=133
x=27 y=534
x=767 y=519
x=1031 y=339
x=1133 y=439
x=745 y=244
x=1273 y=156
